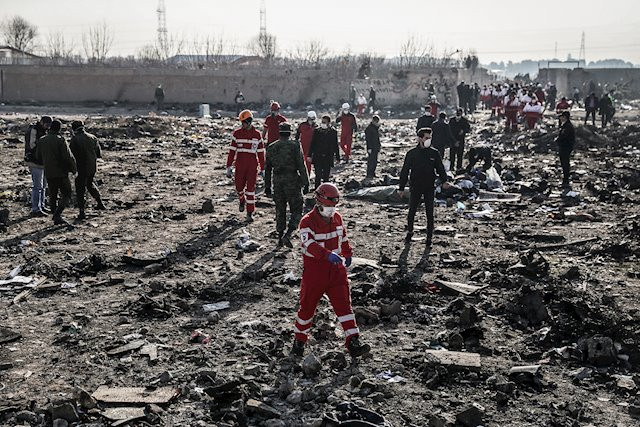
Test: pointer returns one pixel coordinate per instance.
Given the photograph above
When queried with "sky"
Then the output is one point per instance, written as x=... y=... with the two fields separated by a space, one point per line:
x=498 y=31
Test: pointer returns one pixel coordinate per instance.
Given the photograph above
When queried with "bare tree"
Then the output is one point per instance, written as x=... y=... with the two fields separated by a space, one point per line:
x=174 y=46
x=57 y=46
x=97 y=43
x=19 y=33
x=413 y=52
x=313 y=53
x=264 y=46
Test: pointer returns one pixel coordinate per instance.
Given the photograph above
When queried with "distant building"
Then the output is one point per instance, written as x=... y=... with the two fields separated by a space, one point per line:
x=12 y=56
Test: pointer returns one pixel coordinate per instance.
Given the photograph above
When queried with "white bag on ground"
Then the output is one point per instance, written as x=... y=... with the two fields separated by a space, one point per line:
x=493 y=179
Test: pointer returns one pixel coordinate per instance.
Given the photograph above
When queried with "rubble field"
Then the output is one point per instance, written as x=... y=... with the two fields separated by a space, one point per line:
x=169 y=309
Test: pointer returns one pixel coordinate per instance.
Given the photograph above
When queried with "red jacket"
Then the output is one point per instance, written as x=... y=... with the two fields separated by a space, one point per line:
x=348 y=124
x=246 y=146
x=511 y=105
x=319 y=238
x=562 y=106
x=304 y=135
x=272 y=127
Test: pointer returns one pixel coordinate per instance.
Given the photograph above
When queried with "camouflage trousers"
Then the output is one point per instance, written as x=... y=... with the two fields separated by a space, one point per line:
x=283 y=195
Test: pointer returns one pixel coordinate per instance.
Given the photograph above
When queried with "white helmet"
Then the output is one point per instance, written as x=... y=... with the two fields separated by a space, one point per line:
x=312 y=115
x=346 y=106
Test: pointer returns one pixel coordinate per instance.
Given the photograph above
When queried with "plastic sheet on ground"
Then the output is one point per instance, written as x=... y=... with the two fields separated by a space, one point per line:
x=495 y=196
x=387 y=193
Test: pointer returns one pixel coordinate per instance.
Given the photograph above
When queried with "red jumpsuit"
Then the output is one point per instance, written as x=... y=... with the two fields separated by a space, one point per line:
x=562 y=106
x=511 y=108
x=272 y=127
x=347 y=128
x=320 y=277
x=304 y=135
x=247 y=149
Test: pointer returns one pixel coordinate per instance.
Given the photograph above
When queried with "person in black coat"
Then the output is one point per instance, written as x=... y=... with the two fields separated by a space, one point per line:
x=460 y=127
x=566 y=140
x=425 y=120
x=372 y=137
x=324 y=148
x=421 y=165
x=442 y=136
x=591 y=104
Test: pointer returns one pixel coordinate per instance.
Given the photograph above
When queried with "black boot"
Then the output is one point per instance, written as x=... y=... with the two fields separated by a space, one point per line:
x=81 y=215
x=298 y=348
x=356 y=349
x=241 y=207
x=101 y=206
x=286 y=240
x=280 y=243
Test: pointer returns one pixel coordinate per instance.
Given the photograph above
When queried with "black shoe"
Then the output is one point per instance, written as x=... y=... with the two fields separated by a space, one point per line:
x=38 y=214
x=408 y=237
x=241 y=207
x=280 y=242
x=59 y=221
x=356 y=349
x=298 y=348
x=81 y=216
x=287 y=241
x=101 y=207
x=249 y=217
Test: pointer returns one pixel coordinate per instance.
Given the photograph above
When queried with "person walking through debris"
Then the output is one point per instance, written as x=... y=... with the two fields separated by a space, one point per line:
x=86 y=150
x=607 y=109
x=435 y=105
x=591 y=105
x=462 y=96
x=53 y=152
x=36 y=168
x=460 y=127
x=421 y=164
x=442 y=136
x=159 y=95
x=239 y=101
x=511 y=108
x=247 y=149
x=304 y=133
x=566 y=140
x=272 y=124
x=372 y=99
x=362 y=105
x=426 y=119
x=324 y=148
x=576 y=96
x=372 y=137
x=532 y=112
x=326 y=256
x=348 y=126
x=478 y=153
x=284 y=160
x=352 y=94
x=552 y=93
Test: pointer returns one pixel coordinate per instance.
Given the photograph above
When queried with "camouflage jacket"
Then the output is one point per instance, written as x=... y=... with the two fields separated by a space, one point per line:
x=284 y=159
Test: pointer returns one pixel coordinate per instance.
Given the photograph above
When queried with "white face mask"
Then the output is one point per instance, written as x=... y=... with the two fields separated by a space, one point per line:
x=427 y=143
x=327 y=211
x=345 y=111
x=324 y=126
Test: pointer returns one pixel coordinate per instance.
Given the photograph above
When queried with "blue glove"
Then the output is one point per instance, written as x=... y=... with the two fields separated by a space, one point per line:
x=261 y=173
x=347 y=262
x=334 y=258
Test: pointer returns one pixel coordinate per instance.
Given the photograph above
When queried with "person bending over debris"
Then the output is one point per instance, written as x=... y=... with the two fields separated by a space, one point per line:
x=477 y=153
x=566 y=139
x=304 y=135
x=31 y=141
x=54 y=153
x=272 y=124
x=460 y=127
x=420 y=167
x=372 y=136
x=426 y=119
x=284 y=158
x=324 y=240
x=86 y=150
x=247 y=149
x=324 y=148
x=348 y=126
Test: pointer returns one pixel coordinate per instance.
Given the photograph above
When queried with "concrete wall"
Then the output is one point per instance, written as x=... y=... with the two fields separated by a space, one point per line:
x=102 y=84
x=626 y=81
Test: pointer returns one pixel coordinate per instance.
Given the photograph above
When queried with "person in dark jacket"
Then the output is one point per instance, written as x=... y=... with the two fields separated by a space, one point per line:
x=39 y=184
x=159 y=95
x=591 y=103
x=372 y=136
x=86 y=150
x=372 y=99
x=566 y=139
x=426 y=119
x=460 y=127
x=442 y=136
x=477 y=154
x=55 y=155
x=461 y=89
x=607 y=110
x=421 y=164
x=324 y=148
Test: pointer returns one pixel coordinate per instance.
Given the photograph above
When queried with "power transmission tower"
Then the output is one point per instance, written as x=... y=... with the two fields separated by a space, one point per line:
x=263 y=19
x=162 y=27
x=581 y=55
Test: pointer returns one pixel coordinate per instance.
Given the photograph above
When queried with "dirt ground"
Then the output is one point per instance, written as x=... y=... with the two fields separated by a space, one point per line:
x=538 y=304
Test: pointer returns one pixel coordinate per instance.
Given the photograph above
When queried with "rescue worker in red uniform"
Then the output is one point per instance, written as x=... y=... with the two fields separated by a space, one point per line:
x=563 y=106
x=247 y=149
x=304 y=134
x=272 y=124
x=348 y=127
x=324 y=240
x=511 y=108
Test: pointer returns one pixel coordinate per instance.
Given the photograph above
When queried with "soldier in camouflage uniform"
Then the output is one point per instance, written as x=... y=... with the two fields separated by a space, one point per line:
x=284 y=158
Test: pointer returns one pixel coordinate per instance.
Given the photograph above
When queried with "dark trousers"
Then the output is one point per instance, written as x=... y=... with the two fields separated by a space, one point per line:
x=606 y=119
x=323 y=171
x=591 y=113
x=283 y=195
x=159 y=103
x=416 y=195
x=456 y=153
x=372 y=163
x=440 y=149
x=63 y=187
x=84 y=183
x=565 y=156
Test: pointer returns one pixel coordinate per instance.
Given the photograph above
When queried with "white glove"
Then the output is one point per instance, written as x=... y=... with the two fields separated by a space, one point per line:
x=229 y=172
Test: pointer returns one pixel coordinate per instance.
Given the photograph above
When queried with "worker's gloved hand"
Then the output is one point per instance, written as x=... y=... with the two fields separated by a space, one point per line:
x=305 y=190
x=334 y=258
x=347 y=262
x=229 y=172
x=261 y=173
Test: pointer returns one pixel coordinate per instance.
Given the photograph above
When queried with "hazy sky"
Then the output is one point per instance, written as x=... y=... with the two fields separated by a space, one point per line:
x=497 y=30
